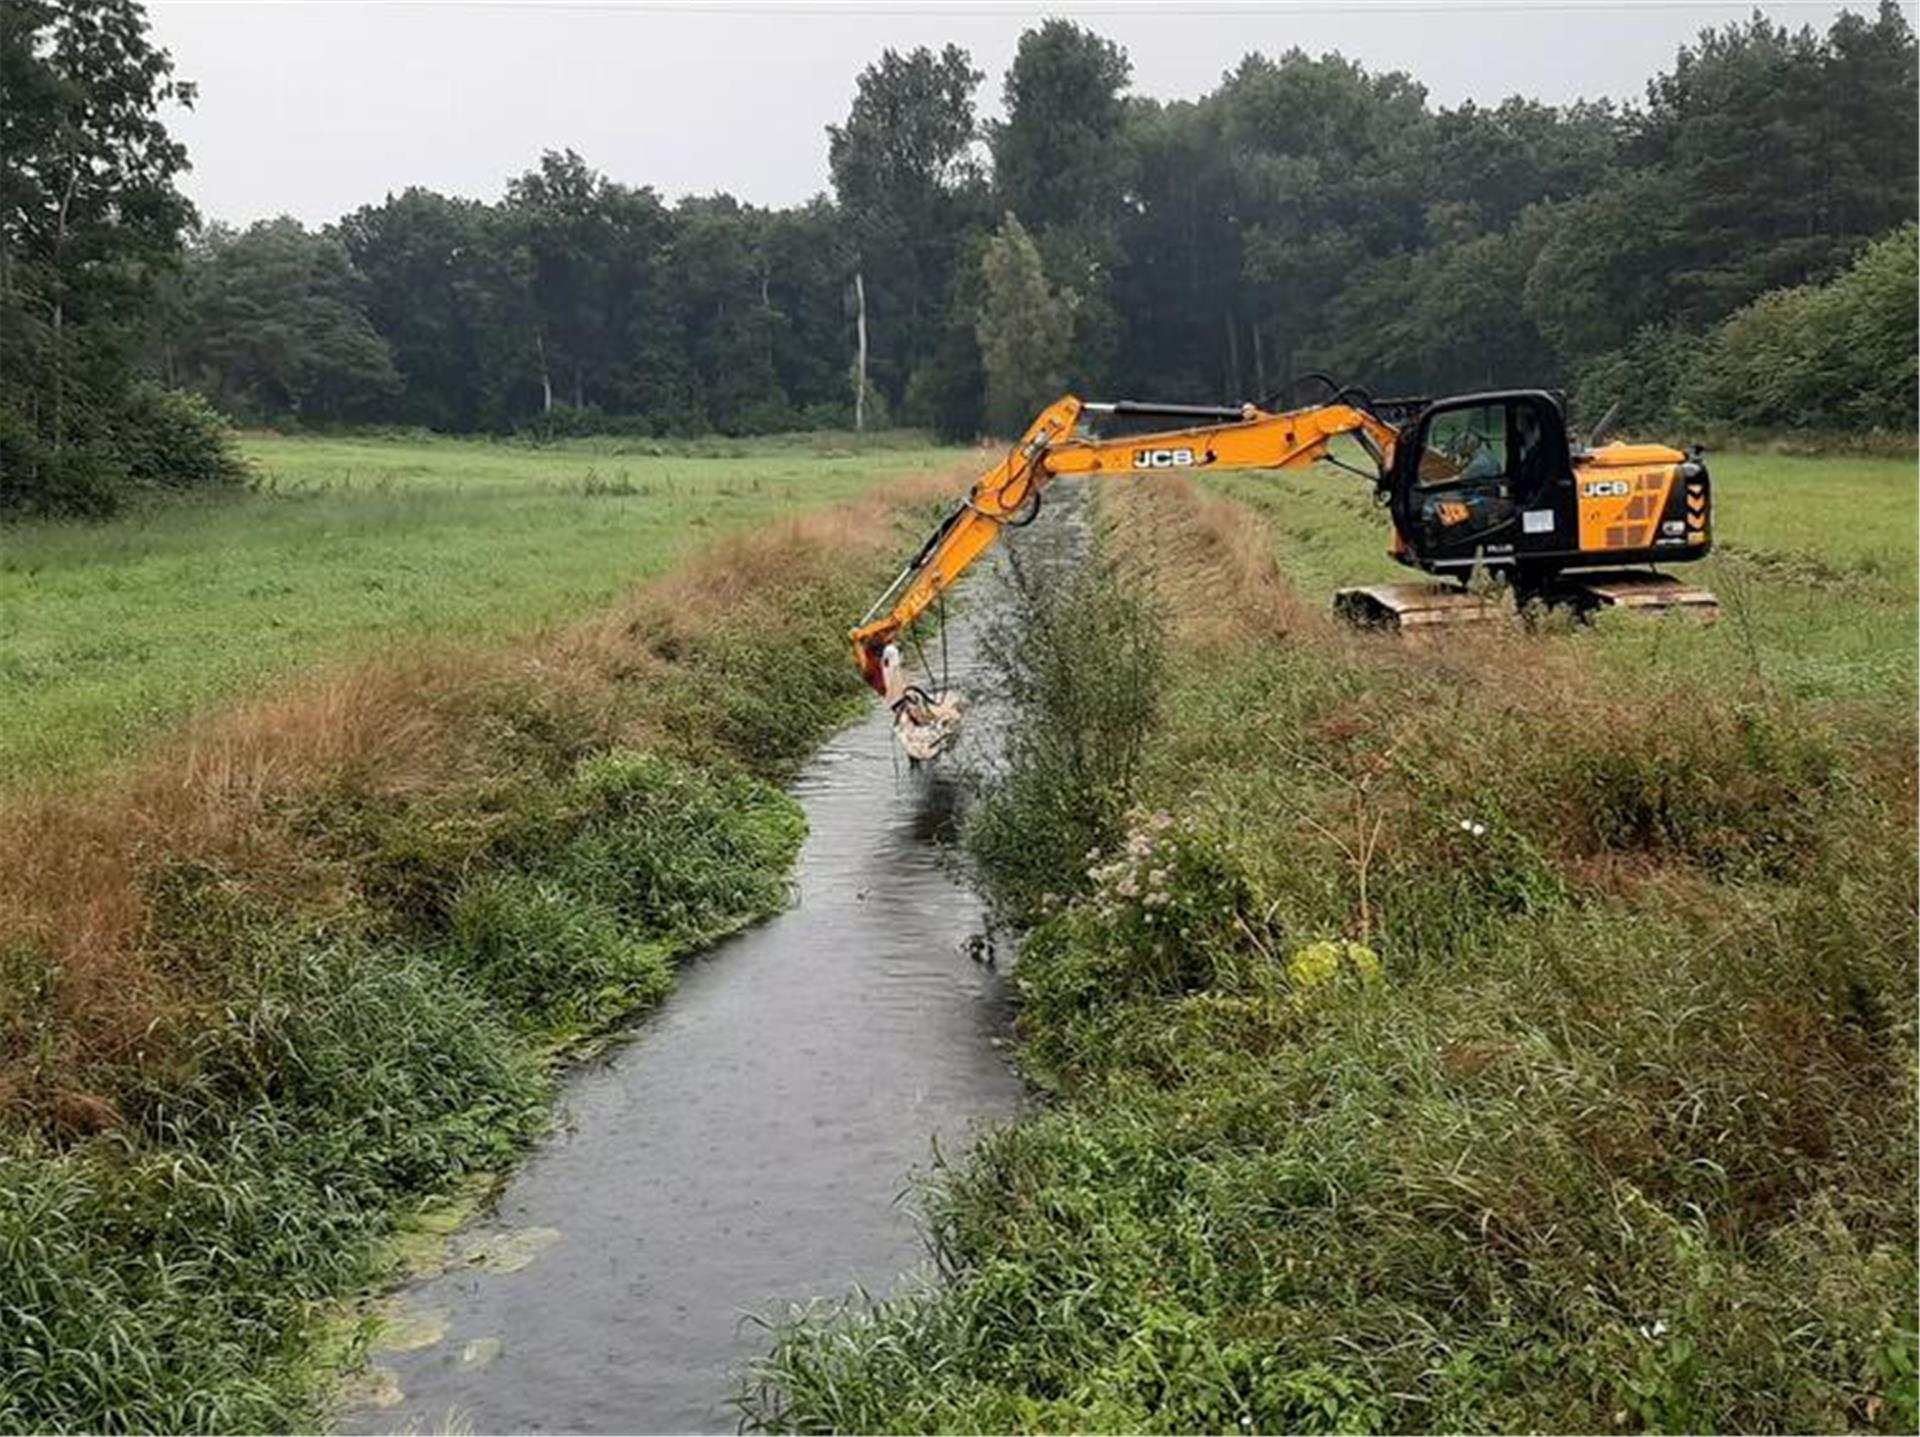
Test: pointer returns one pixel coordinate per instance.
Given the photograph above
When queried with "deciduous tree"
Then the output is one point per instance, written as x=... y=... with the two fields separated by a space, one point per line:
x=277 y=325
x=1025 y=329
x=908 y=184
x=90 y=219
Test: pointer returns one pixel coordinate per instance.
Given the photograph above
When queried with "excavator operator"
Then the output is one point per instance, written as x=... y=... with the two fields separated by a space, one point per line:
x=1530 y=468
x=1473 y=490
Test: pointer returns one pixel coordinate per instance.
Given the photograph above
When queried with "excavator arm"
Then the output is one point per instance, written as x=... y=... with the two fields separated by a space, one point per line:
x=1008 y=495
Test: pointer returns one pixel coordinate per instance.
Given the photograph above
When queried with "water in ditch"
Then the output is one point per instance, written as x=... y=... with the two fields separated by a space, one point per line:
x=752 y=1145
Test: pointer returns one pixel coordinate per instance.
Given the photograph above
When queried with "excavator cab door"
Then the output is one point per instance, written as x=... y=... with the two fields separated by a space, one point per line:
x=1484 y=479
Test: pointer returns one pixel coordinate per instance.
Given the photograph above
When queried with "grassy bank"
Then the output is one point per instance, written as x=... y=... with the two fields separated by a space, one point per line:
x=1503 y=1032
x=110 y=632
x=307 y=965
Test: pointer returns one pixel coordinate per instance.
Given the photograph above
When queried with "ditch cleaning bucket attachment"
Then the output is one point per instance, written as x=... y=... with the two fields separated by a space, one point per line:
x=924 y=724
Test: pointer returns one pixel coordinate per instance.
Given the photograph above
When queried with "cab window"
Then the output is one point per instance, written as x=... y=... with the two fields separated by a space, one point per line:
x=1465 y=445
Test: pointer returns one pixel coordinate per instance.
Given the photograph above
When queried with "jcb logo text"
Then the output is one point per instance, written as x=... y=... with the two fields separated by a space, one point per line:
x=1162 y=458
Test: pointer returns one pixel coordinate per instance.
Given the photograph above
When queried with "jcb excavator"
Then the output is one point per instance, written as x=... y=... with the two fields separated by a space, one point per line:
x=1474 y=484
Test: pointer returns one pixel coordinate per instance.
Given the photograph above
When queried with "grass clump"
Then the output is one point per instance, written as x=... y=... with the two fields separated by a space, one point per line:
x=1450 y=1037
x=554 y=959
x=161 y=1274
x=643 y=859
x=1727 y=788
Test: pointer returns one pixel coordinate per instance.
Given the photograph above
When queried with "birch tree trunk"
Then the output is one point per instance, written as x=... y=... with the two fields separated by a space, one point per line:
x=1234 y=387
x=860 y=353
x=766 y=318
x=60 y=310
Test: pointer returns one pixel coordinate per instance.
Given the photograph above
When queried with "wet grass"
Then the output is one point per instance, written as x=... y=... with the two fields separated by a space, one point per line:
x=1476 y=1034
x=111 y=632
x=309 y=967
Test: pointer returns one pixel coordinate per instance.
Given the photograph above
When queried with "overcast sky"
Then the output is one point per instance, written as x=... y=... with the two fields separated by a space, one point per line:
x=314 y=107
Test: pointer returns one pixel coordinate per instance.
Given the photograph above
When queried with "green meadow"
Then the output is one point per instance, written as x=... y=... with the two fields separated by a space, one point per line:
x=111 y=631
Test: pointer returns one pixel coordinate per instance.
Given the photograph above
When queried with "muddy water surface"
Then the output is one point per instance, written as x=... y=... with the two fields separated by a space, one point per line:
x=749 y=1148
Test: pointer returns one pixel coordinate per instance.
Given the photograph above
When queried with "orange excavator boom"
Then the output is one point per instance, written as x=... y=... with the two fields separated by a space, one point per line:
x=1057 y=442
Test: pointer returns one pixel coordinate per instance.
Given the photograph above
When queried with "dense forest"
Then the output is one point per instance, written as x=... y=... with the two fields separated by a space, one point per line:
x=1705 y=256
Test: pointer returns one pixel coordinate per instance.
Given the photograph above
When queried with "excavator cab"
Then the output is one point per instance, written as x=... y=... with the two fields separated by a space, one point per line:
x=1483 y=480
x=1492 y=483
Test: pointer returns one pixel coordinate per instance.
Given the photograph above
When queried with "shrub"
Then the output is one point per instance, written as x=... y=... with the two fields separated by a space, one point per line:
x=1841 y=355
x=154 y=439
x=1081 y=661
x=1163 y=914
x=830 y=416
x=552 y=960
x=84 y=479
x=175 y=439
x=677 y=852
x=771 y=415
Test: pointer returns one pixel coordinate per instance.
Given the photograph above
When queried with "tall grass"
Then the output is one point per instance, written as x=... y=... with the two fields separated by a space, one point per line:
x=1080 y=661
x=1456 y=1037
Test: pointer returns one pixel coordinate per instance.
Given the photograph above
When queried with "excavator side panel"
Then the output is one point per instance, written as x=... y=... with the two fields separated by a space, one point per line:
x=1621 y=506
x=1642 y=501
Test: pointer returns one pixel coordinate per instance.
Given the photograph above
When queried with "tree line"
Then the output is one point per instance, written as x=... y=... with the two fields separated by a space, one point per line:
x=1305 y=214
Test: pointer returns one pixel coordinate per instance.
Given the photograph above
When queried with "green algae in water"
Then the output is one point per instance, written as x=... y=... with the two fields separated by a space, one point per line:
x=406 y=1329
x=507 y=1251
